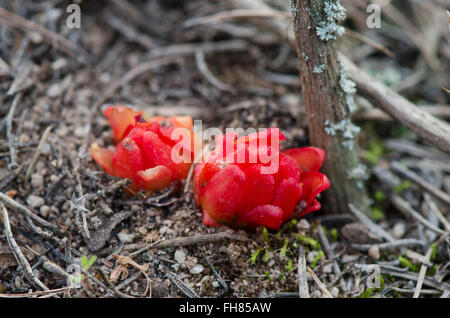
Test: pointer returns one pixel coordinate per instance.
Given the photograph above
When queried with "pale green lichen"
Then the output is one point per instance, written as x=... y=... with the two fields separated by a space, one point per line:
x=304 y=56
x=359 y=174
x=348 y=88
x=330 y=28
x=319 y=69
x=347 y=129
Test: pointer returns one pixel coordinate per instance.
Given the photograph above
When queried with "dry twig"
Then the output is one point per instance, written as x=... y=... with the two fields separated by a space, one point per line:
x=20 y=258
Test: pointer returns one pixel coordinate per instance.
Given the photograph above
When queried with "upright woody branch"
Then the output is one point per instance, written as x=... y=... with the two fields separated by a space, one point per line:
x=328 y=97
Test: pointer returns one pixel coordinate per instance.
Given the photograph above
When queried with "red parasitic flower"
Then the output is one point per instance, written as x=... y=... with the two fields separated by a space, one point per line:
x=241 y=194
x=144 y=148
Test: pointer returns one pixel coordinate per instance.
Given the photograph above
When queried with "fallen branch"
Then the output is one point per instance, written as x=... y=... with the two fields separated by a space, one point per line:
x=389 y=245
x=11 y=203
x=437 y=193
x=11 y=137
x=192 y=240
x=428 y=127
x=406 y=209
x=374 y=228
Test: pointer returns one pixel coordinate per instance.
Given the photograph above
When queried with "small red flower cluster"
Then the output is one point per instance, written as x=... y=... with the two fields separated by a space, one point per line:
x=144 y=149
x=232 y=185
x=239 y=195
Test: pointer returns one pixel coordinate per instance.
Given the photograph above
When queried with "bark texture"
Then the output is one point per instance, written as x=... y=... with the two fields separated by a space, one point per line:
x=326 y=99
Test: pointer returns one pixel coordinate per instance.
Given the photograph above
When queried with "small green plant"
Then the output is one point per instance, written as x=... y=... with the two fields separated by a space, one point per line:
x=377 y=214
x=290 y=265
x=308 y=240
x=265 y=235
x=374 y=151
x=379 y=196
x=368 y=293
x=433 y=252
x=404 y=185
x=86 y=262
x=284 y=249
x=316 y=259
x=404 y=262
x=266 y=256
x=254 y=256
x=334 y=234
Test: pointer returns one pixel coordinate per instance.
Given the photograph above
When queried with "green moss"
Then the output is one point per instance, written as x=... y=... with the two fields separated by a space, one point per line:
x=308 y=240
x=404 y=185
x=433 y=252
x=374 y=150
x=266 y=256
x=404 y=262
x=334 y=235
x=265 y=235
x=290 y=265
x=254 y=256
x=377 y=214
x=316 y=259
x=284 y=249
x=379 y=196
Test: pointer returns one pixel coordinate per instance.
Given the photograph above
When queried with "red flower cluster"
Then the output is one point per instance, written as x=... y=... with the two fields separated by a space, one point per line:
x=241 y=195
x=144 y=148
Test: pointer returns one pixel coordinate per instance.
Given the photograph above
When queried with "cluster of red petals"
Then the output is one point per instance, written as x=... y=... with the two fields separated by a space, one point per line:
x=240 y=196
x=143 y=151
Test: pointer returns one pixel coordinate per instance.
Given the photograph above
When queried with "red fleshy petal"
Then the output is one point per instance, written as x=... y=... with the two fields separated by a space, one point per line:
x=288 y=168
x=127 y=159
x=223 y=193
x=287 y=196
x=121 y=119
x=186 y=122
x=104 y=157
x=258 y=190
x=224 y=146
x=203 y=172
x=156 y=178
x=312 y=183
x=315 y=205
x=264 y=215
x=269 y=133
x=308 y=158
x=209 y=221
x=158 y=151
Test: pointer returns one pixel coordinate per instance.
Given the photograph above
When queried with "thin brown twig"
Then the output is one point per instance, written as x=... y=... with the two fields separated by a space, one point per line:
x=235 y=14
x=52 y=38
x=389 y=245
x=204 y=70
x=20 y=258
x=374 y=228
x=37 y=152
x=11 y=203
x=322 y=287
x=36 y=293
x=423 y=270
x=370 y=42
x=192 y=240
x=11 y=137
x=423 y=184
x=435 y=209
x=406 y=209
